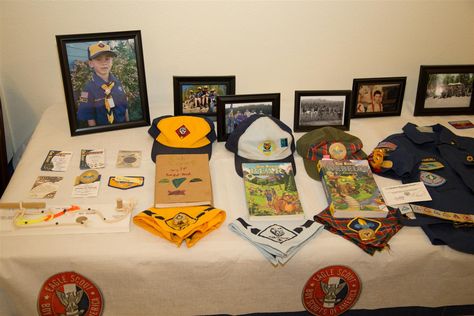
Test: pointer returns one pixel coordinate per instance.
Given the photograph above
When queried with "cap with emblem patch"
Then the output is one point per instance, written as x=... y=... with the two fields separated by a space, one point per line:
x=98 y=49
x=329 y=141
x=261 y=138
x=182 y=135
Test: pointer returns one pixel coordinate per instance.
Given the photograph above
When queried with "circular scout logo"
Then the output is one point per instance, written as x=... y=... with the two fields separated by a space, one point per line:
x=69 y=293
x=331 y=291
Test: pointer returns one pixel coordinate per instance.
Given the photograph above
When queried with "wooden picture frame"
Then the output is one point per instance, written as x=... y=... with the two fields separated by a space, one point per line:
x=234 y=109
x=100 y=67
x=319 y=108
x=445 y=90
x=197 y=95
x=374 y=97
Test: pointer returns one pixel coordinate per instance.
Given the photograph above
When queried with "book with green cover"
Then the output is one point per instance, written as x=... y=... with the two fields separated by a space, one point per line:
x=351 y=189
x=270 y=191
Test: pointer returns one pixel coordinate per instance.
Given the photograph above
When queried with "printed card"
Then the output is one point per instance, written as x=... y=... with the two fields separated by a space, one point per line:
x=129 y=159
x=92 y=159
x=45 y=187
x=405 y=193
x=87 y=184
x=56 y=160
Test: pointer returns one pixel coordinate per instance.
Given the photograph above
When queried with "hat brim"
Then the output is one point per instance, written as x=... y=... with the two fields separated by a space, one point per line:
x=311 y=166
x=238 y=161
x=108 y=52
x=160 y=149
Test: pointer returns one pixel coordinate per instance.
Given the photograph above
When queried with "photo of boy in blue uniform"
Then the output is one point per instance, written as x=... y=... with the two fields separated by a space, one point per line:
x=103 y=100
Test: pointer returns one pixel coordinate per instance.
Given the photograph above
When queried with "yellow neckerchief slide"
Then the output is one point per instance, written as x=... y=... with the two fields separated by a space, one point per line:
x=107 y=90
x=181 y=223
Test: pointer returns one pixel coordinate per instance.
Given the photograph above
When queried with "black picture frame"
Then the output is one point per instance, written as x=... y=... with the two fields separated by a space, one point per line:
x=445 y=90
x=188 y=102
x=245 y=105
x=82 y=85
x=319 y=108
x=389 y=91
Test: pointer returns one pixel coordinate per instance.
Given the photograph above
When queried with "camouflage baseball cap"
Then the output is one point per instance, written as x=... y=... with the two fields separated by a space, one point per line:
x=330 y=141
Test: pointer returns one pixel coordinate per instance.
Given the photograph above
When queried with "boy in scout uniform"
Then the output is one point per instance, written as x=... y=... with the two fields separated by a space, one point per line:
x=103 y=100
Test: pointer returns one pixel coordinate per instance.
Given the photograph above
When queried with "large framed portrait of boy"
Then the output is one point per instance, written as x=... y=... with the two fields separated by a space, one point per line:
x=194 y=95
x=104 y=81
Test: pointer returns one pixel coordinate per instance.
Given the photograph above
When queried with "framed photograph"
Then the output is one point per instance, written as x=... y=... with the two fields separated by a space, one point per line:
x=316 y=109
x=233 y=110
x=378 y=97
x=104 y=81
x=198 y=95
x=445 y=90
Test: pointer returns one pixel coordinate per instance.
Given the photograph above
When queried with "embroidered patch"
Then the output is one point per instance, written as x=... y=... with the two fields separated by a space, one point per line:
x=367 y=228
x=388 y=145
x=126 y=182
x=431 y=179
x=331 y=291
x=84 y=96
x=69 y=293
x=277 y=233
x=182 y=131
x=267 y=147
x=283 y=142
x=180 y=221
x=337 y=151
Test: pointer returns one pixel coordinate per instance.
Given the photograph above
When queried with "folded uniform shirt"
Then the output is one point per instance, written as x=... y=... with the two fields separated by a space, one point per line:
x=444 y=162
x=277 y=242
x=369 y=234
x=178 y=224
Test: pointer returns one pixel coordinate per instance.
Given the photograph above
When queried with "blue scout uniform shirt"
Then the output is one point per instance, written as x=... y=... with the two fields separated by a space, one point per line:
x=92 y=101
x=450 y=181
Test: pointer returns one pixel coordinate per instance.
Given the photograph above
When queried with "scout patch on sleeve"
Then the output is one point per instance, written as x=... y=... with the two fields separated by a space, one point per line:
x=84 y=96
x=430 y=164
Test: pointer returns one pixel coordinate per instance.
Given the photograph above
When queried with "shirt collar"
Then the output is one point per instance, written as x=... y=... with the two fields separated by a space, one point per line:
x=100 y=81
x=440 y=135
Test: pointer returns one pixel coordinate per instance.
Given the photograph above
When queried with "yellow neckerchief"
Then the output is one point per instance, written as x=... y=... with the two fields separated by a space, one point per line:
x=107 y=90
x=178 y=224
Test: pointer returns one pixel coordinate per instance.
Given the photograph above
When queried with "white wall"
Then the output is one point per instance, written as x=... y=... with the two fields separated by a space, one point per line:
x=271 y=46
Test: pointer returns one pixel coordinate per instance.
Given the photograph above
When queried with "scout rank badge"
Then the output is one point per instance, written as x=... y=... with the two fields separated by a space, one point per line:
x=331 y=291
x=126 y=182
x=69 y=293
x=377 y=159
x=432 y=180
x=365 y=227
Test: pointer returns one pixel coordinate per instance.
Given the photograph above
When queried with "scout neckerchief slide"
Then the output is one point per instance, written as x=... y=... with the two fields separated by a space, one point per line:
x=109 y=101
x=178 y=224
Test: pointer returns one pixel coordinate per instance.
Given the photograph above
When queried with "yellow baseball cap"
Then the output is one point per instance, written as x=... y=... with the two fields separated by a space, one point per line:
x=184 y=134
x=98 y=49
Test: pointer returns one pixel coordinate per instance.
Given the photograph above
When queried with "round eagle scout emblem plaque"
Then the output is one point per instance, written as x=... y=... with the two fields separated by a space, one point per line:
x=331 y=291
x=69 y=293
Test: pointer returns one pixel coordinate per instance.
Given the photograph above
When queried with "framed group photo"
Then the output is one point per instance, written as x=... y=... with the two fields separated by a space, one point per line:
x=234 y=109
x=316 y=109
x=445 y=90
x=378 y=97
x=104 y=81
x=198 y=95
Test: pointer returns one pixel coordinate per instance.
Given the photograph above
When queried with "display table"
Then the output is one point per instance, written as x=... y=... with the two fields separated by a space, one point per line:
x=141 y=274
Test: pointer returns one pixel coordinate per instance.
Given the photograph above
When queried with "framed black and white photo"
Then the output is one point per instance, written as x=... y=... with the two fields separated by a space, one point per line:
x=104 y=81
x=375 y=97
x=316 y=109
x=198 y=95
x=445 y=90
x=233 y=110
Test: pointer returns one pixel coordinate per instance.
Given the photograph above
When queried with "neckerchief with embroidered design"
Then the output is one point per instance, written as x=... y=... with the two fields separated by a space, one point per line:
x=107 y=90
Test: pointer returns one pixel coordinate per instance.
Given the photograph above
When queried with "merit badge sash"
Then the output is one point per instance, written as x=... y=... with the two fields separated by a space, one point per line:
x=370 y=234
x=277 y=242
x=178 y=224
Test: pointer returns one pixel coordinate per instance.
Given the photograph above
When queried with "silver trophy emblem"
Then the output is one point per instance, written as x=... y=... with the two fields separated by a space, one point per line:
x=70 y=298
x=331 y=289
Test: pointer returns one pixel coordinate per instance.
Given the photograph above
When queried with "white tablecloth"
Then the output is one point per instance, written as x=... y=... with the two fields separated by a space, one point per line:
x=141 y=274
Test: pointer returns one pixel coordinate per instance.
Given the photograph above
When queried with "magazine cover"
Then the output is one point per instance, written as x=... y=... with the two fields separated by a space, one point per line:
x=270 y=191
x=351 y=189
